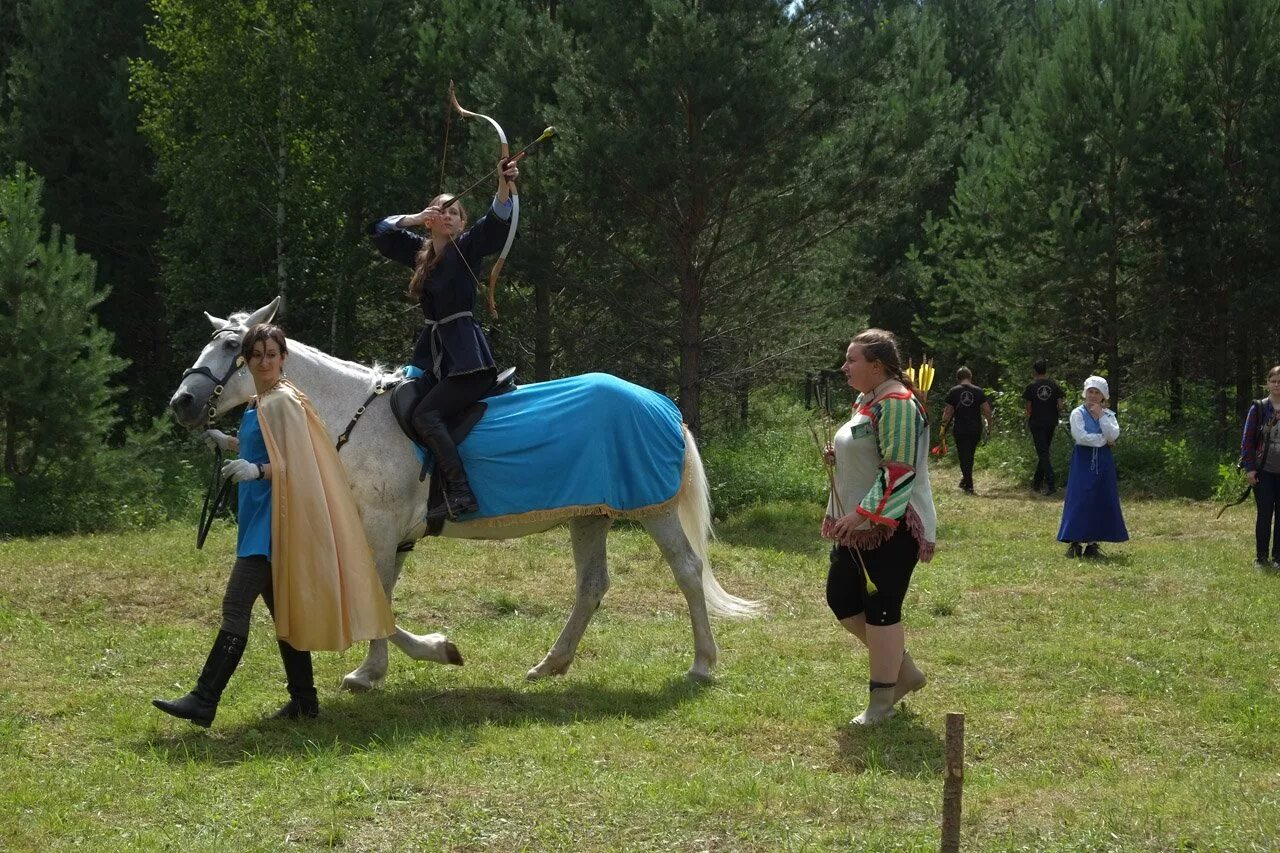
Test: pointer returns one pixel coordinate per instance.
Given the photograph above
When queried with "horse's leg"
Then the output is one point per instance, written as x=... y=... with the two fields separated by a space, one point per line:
x=588 y=536
x=433 y=647
x=373 y=669
x=687 y=567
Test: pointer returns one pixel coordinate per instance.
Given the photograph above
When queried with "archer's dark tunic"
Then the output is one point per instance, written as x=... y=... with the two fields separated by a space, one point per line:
x=449 y=294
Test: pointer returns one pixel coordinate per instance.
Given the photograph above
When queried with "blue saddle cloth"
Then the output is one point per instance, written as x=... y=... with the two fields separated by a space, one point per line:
x=590 y=443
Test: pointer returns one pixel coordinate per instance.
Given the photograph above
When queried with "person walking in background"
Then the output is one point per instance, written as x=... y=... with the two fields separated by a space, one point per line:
x=880 y=515
x=1044 y=402
x=967 y=407
x=1091 y=509
x=1260 y=458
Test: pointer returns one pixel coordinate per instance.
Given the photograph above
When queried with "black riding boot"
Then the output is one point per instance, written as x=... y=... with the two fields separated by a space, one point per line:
x=201 y=704
x=302 y=686
x=434 y=435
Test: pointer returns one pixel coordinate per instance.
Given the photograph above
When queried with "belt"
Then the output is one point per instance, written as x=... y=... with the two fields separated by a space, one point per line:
x=437 y=350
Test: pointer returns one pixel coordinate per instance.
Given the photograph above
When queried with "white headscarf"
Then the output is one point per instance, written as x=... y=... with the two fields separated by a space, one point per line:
x=1099 y=383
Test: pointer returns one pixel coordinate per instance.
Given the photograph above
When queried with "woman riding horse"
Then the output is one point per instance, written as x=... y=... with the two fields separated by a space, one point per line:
x=452 y=351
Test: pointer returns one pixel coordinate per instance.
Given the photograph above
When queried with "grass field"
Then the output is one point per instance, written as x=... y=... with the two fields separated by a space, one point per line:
x=1131 y=704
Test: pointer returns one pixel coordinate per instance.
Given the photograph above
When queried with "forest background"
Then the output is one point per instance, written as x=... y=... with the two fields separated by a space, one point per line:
x=737 y=187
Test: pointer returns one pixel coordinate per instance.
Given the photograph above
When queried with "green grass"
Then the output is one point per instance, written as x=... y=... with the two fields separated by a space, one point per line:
x=1130 y=704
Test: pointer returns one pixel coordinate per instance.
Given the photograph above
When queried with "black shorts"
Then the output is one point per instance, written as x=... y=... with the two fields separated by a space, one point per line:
x=890 y=568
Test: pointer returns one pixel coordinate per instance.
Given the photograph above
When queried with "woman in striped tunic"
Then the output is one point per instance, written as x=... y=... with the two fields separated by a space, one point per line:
x=880 y=515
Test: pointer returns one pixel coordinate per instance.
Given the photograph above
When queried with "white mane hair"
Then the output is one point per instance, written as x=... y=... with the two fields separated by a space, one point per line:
x=375 y=373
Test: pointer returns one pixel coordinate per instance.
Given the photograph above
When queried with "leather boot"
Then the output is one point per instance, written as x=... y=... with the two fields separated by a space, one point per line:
x=879 y=708
x=910 y=678
x=434 y=435
x=301 y=684
x=201 y=704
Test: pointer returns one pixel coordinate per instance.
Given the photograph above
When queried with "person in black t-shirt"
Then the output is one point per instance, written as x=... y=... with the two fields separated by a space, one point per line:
x=1044 y=399
x=967 y=407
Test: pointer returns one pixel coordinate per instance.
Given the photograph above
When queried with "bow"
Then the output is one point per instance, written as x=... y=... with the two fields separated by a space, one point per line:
x=1243 y=497
x=505 y=154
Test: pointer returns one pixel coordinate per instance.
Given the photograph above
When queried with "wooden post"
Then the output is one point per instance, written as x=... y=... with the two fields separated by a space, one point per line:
x=953 y=783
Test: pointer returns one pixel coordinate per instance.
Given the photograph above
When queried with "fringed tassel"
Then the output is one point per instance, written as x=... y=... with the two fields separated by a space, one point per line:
x=878 y=534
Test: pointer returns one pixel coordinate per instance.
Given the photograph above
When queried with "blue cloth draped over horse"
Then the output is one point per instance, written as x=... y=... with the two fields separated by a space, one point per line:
x=577 y=446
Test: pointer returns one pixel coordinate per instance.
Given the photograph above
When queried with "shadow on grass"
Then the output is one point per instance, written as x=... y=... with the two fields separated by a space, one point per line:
x=357 y=722
x=902 y=745
x=1112 y=558
x=1007 y=492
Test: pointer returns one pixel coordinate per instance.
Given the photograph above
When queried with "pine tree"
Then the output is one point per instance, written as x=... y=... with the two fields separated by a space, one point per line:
x=734 y=165
x=1217 y=210
x=56 y=363
x=1051 y=221
x=281 y=128
x=71 y=121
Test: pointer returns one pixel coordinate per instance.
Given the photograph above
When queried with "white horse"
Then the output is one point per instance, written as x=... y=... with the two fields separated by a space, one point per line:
x=383 y=471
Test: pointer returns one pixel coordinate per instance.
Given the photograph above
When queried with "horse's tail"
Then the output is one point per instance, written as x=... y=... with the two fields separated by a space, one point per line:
x=694 y=509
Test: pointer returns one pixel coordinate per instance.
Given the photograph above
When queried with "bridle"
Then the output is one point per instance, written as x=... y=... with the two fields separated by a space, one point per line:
x=218 y=384
x=218 y=490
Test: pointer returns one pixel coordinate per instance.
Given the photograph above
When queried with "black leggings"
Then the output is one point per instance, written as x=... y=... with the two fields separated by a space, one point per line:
x=1267 y=530
x=452 y=394
x=890 y=567
x=250 y=578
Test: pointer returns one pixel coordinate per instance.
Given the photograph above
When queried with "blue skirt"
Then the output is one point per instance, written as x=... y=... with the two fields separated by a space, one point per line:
x=1091 y=509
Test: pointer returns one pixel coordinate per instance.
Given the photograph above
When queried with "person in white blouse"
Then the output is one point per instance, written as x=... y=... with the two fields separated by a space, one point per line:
x=1091 y=509
x=880 y=516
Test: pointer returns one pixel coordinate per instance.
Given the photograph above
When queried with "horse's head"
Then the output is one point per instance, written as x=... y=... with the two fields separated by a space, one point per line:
x=218 y=381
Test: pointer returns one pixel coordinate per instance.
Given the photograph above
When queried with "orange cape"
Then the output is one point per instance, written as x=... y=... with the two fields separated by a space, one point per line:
x=325 y=581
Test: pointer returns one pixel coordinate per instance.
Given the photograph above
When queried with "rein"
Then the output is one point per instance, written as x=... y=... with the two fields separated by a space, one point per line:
x=380 y=389
x=216 y=496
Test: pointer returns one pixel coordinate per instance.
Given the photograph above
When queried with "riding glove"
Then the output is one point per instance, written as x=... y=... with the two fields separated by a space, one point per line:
x=216 y=439
x=239 y=470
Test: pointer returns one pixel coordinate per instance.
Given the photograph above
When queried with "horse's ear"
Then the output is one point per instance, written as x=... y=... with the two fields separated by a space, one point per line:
x=263 y=314
x=215 y=322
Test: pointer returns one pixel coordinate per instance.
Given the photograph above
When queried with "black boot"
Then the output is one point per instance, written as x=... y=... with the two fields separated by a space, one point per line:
x=302 y=686
x=201 y=704
x=434 y=435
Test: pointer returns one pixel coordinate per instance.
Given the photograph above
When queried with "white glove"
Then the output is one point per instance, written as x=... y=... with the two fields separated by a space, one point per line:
x=216 y=439
x=240 y=470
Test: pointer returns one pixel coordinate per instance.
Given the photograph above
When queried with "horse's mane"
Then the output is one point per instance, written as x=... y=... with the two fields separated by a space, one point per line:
x=375 y=373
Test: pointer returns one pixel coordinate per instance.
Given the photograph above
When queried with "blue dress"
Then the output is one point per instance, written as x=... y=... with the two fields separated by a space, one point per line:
x=254 y=519
x=1091 y=508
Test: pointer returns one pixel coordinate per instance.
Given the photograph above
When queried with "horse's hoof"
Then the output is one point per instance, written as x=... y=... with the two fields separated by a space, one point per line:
x=545 y=670
x=359 y=683
x=700 y=676
x=451 y=653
